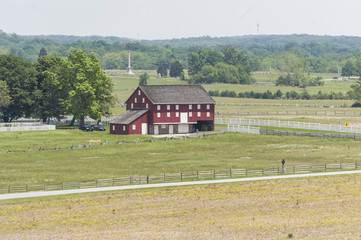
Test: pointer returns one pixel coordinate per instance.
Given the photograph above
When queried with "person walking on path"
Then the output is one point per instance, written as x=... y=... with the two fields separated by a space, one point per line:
x=283 y=164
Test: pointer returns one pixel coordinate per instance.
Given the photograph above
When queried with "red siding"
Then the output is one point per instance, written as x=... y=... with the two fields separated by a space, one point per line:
x=129 y=128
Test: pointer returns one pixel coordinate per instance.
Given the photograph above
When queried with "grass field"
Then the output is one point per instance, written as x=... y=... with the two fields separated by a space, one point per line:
x=310 y=208
x=116 y=160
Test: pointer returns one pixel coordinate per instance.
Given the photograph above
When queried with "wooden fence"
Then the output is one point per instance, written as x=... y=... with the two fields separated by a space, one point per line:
x=311 y=113
x=310 y=134
x=182 y=176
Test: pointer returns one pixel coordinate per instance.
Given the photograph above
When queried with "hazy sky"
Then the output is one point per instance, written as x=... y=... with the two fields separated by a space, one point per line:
x=165 y=19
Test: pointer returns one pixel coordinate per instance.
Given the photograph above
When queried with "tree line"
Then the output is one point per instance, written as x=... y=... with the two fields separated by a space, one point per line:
x=53 y=87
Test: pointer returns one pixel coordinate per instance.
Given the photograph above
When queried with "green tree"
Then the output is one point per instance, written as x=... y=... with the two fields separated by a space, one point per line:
x=143 y=79
x=20 y=78
x=52 y=102
x=358 y=66
x=4 y=95
x=349 y=68
x=42 y=52
x=162 y=70
x=293 y=69
x=90 y=90
x=176 y=68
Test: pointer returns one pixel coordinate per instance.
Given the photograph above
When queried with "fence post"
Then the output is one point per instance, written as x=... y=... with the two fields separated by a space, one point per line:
x=294 y=169
x=197 y=174
x=131 y=180
x=214 y=174
x=113 y=181
x=246 y=172
x=26 y=187
x=44 y=187
x=96 y=183
x=325 y=167
x=62 y=186
x=78 y=184
x=147 y=178
x=340 y=165
x=278 y=170
x=262 y=171
x=230 y=173
x=164 y=177
x=181 y=177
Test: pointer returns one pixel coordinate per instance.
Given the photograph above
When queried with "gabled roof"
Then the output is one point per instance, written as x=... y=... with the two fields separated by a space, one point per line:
x=173 y=94
x=129 y=116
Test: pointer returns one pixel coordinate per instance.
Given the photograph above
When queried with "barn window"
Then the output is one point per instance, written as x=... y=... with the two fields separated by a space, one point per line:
x=113 y=127
x=123 y=128
x=190 y=114
x=131 y=105
x=146 y=105
x=163 y=126
x=176 y=107
x=158 y=107
x=198 y=106
x=168 y=114
x=134 y=127
x=143 y=100
x=168 y=107
x=135 y=100
x=208 y=107
x=158 y=115
x=177 y=114
x=139 y=92
x=190 y=106
x=198 y=114
x=208 y=114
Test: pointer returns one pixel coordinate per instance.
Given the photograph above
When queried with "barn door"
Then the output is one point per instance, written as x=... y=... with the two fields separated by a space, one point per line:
x=170 y=129
x=184 y=117
x=156 y=131
x=144 y=129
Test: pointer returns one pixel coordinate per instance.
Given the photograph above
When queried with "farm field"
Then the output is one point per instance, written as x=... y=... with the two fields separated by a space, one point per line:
x=117 y=160
x=307 y=208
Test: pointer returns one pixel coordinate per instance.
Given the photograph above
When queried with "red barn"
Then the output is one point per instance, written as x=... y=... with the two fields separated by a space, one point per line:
x=166 y=109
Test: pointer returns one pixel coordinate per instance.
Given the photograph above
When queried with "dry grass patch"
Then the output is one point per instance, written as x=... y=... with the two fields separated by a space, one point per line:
x=309 y=208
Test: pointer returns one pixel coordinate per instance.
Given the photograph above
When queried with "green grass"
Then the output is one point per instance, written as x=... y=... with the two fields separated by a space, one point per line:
x=113 y=160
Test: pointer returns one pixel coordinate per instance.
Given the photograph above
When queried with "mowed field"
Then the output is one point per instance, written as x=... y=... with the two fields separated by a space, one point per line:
x=309 y=208
x=314 y=208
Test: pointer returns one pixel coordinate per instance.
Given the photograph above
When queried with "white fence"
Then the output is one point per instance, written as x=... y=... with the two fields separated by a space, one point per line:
x=289 y=124
x=245 y=129
x=14 y=127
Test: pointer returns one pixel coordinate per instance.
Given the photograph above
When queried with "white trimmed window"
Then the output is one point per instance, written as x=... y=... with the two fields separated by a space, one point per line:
x=198 y=114
x=139 y=92
x=190 y=106
x=176 y=107
x=123 y=128
x=158 y=115
x=208 y=106
x=198 y=106
x=168 y=114
x=177 y=114
x=143 y=100
x=208 y=114
x=131 y=105
x=190 y=114
x=168 y=107
x=158 y=107
x=146 y=105
x=133 y=126
x=113 y=127
x=135 y=100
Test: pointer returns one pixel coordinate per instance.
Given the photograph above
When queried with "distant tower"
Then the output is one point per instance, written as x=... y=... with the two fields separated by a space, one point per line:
x=129 y=70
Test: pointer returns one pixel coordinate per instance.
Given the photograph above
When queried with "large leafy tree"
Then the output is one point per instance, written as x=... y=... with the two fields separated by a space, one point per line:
x=176 y=69
x=162 y=70
x=4 y=94
x=349 y=69
x=90 y=90
x=52 y=101
x=20 y=78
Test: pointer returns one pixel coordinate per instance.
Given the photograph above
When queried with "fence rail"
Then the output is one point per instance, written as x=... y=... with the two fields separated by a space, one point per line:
x=245 y=129
x=289 y=124
x=312 y=113
x=310 y=134
x=182 y=176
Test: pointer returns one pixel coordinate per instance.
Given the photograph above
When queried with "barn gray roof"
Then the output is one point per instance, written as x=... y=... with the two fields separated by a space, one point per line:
x=129 y=116
x=172 y=94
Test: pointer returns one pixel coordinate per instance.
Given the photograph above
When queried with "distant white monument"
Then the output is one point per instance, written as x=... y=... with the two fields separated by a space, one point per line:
x=129 y=70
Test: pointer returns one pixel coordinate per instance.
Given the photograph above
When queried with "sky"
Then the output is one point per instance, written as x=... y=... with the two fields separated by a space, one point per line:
x=167 y=19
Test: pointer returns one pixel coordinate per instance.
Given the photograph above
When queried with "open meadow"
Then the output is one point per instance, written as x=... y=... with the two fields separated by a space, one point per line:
x=307 y=208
